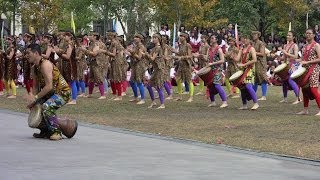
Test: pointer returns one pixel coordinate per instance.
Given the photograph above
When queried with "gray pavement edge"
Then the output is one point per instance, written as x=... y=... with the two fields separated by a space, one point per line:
x=222 y=147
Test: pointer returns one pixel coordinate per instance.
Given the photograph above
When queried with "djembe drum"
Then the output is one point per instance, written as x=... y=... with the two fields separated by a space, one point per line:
x=236 y=78
x=299 y=77
x=282 y=71
x=68 y=127
x=207 y=75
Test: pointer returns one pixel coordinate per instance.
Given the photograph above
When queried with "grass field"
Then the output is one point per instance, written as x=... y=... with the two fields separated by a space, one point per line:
x=274 y=127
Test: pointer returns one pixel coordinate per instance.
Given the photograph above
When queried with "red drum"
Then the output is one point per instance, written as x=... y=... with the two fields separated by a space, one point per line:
x=207 y=75
x=299 y=77
x=282 y=71
x=236 y=78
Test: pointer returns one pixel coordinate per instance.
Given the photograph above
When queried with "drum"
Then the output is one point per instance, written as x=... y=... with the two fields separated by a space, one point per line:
x=35 y=116
x=299 y=77
x=68 y=127
x=207 y=75
x=236 y=78
x=282 y=71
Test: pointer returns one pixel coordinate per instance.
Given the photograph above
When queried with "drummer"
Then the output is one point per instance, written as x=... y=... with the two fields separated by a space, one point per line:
x=47 y=78
x=310 y=60
x=216 y=59
x=290 y=53
x=231 y=67
x=247 y=57
x=202 y=57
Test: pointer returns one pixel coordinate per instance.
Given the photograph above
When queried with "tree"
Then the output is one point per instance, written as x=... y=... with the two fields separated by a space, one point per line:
x=82 y=13
x=289 y=11
x=188 y=12
x=42 y=14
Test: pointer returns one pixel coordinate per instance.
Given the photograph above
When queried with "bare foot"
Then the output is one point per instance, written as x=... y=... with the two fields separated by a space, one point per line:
x=212 y=104
x=73 y=102
x=243 y=108
x=12 y=97
x=224 y=105
x=190 y=99
x=102 y=97
x=161 y=106
x=141 y=102
x=263 y=98
x=304 y=112
x=152 y=104
x=255 y=106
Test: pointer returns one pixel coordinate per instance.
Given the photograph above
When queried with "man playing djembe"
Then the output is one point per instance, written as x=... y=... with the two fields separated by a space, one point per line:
x=50 y=89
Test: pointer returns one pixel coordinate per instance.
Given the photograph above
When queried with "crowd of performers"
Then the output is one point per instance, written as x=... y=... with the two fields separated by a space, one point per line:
x=108 y=61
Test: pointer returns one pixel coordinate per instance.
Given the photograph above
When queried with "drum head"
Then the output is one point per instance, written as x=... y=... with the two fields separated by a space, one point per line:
x=300 y=71
x=280 y=67
x=203 y=71
x=35 y=116
x=236 y=75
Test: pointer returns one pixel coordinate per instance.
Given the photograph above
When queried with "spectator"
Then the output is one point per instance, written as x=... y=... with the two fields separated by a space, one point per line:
x=165 y=30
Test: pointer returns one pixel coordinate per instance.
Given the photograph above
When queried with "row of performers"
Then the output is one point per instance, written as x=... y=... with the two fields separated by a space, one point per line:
x=250 y=59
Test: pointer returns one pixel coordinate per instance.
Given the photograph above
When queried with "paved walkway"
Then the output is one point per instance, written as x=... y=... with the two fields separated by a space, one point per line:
x=108 y=153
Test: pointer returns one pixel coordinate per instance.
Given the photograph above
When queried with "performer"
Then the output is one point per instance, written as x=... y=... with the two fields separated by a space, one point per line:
x=138 y=68
x=125 y=66
x=105 y=63
x=61 y=44
x=116 y=55
x=48 y=82
x=184 y=70
x=158 y=76
x=69 y=64
x=260 y=65
x=231 y=67
x=10 y=68
x=216 y=60
x=167 y=56
x=48 y=48
x=310 y=60
x=202 y=59
x=26 y=66
x=81 y=66
x=290 y=53
x=247 y=57
x=96 y=65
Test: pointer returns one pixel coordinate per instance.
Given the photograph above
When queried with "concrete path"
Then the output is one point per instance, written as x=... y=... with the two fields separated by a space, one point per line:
x=107 y=153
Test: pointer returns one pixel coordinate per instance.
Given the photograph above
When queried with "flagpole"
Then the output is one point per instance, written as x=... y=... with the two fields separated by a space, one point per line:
x=307 y=21
x=236 y=35
x=174 y=35
x=2 y=41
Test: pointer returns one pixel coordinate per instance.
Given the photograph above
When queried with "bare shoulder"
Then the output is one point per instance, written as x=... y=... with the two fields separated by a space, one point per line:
x=46 y=66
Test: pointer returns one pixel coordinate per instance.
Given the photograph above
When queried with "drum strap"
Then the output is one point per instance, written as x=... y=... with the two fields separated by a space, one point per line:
x=212 y=53
x=245 y=55
x=307 y=52
x=288 y=50
x=305 y=58
x=244 y=58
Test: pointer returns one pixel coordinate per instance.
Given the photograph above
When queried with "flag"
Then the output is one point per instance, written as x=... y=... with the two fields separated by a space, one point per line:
x=31 y=30
x=73 y=25
x=114 y=25
x=290 y=26
x=236 y=35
